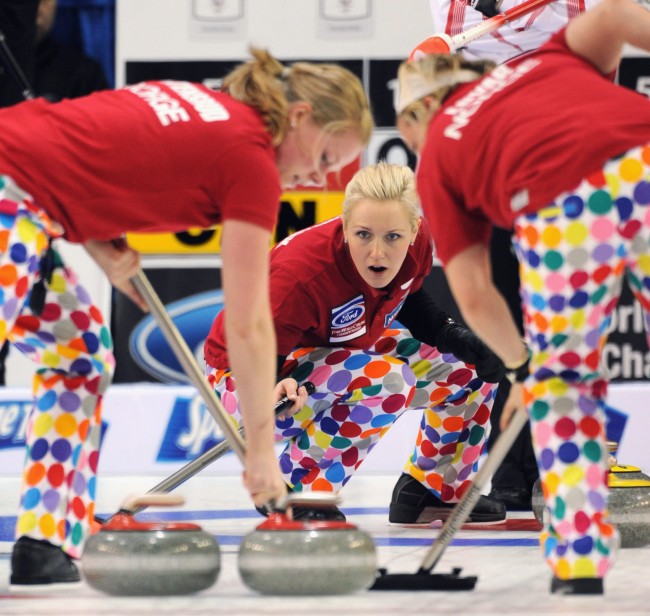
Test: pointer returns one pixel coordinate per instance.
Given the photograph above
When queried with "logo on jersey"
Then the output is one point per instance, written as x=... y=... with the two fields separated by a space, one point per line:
x=348 y=320
x=390 y=317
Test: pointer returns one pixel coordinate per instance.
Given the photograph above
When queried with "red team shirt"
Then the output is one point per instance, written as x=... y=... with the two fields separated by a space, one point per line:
x=506 y=144
x=319 y=299
x=152 y=157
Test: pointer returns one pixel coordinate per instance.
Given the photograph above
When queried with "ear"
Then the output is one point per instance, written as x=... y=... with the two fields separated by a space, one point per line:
x=431 y=104
x=415 y=233
x=298 y=111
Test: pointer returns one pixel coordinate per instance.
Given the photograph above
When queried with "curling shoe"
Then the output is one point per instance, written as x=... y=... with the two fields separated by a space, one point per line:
x=412 y=503
x=314 y=514
x=35 y=562
x=516 y=498
x=577 y=586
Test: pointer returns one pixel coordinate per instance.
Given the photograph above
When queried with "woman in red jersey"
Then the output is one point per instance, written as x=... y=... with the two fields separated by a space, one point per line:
x=338 y=291
x=548 y=145
x=153 y=156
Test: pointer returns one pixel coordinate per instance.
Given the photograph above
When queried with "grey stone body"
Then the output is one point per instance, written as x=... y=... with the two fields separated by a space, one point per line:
x=629 y=509
x=307 y=562
x=151 y=563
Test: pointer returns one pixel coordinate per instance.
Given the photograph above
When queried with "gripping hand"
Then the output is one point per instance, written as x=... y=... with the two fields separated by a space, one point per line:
x=464 y=345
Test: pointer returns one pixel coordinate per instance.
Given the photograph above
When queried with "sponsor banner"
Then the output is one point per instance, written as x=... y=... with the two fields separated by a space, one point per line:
x=14 y=412
x=193 y=318
x=298 y=210
x=155 y=429
x=634 y=73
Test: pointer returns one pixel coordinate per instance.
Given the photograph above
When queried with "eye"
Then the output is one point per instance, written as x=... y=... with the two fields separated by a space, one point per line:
x=393 y=237
x=325 y=161
x=364 y=235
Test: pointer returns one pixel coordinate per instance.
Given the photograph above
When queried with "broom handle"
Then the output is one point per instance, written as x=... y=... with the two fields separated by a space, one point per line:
x=187 y=360
x=444 y=43
x=464 y=507
x=494 y=23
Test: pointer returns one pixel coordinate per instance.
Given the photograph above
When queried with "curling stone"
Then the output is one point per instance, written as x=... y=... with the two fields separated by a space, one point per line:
x=537 y=498
x=131 y=558
x=628 y=508
x=286 y=557
x=623 y=471
x=627 y=472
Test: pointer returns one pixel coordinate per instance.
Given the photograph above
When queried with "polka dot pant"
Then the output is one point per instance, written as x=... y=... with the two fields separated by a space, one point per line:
x=573 y=257
x=72 y=347
x=360 y=394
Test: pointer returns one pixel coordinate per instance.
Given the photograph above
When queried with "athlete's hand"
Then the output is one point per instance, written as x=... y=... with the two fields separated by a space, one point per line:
x=120 y=263
x=289 y=388
x=514 y=404
x=263 y=479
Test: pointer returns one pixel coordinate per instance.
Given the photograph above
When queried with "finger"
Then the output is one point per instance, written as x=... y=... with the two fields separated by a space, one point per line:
x=506 y=415
x=130 y=291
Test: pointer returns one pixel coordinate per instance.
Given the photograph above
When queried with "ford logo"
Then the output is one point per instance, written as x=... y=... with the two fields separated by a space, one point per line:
x=193 y=316
x=348 y=316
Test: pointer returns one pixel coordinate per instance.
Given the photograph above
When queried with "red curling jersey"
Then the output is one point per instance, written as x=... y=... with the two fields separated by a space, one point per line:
x=513 y=141
x=152 y=157
x=319 y=299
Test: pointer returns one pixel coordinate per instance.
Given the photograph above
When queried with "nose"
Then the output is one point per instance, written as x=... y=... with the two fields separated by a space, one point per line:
x=317 y=178
x=376 y=248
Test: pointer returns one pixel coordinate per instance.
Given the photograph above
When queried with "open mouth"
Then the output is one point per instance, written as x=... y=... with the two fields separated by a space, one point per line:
x=377 y=269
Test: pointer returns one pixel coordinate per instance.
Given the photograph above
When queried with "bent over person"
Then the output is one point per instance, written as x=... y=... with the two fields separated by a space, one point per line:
x=573 y=182
x=351 y=316
x=153 y=156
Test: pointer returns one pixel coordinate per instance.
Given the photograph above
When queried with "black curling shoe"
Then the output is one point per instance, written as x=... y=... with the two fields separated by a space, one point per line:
x=577 y=586
x=36 y=562
x=313 y=514
x=514 y=498
x=413 y=503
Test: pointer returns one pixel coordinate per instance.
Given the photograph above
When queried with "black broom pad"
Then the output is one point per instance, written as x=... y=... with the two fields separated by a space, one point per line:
x=423 y=580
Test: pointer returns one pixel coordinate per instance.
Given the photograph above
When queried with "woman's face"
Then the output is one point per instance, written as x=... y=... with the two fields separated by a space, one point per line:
x=378 y=234
x=307 y=153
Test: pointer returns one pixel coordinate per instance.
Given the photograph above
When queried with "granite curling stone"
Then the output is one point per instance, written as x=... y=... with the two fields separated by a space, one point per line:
x=537 y=500
x=286 y=557
x=131 y=558
x=628 y=507
x=623 y=471
x=629 y=510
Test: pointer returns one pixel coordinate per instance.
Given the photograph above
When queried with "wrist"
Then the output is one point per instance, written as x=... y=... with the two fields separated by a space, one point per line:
x=518 y=371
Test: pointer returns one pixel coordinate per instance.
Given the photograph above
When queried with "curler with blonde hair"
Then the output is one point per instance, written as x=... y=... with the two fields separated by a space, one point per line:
x=383 y=182
x=435 y=75
x=336 y=95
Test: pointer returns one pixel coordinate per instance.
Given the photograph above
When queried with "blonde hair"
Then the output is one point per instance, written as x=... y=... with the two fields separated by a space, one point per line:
x=335 y=94
x=435 y=75
x=383 y=182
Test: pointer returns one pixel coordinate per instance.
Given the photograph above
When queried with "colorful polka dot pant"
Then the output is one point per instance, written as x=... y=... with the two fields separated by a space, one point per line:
x=573 y=257
x=72 y=347
x=360 y=394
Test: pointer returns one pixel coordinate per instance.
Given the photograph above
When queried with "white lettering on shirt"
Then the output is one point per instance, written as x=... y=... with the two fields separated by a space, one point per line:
x=167 y=109
x=170 y=110
x=463 y=110
x=207 y=107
